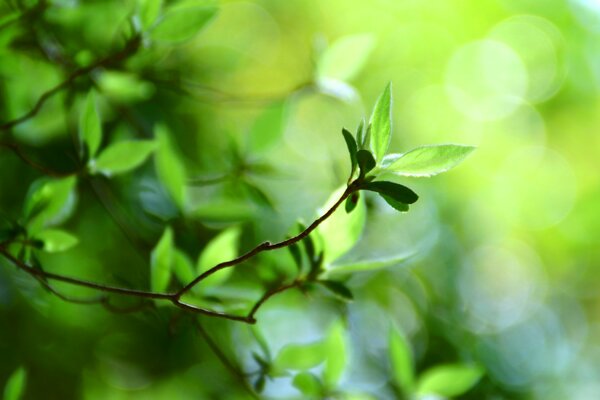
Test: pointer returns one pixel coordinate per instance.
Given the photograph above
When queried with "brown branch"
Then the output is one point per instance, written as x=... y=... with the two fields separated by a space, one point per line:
x=272 y=292
x=130 y=48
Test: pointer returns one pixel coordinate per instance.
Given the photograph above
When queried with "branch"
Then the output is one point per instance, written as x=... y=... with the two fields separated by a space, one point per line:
x=130 y=48
x=46 y=171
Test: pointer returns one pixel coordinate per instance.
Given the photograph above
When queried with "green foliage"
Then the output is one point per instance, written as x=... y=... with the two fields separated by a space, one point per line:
x=222 y=247
x=381 y=124
x=90 y=127
x=56 y=240
x=337 y=355
x=49 y=202
x=403 y=370
x=427 y=160
x=13 y=390
x=123 y=156
x=181 y=23
x=299 y=357
x=449 y=380
x=308 y=384
x=268 y=128
x=161 y=262
x=169 y=167
x=345 y=57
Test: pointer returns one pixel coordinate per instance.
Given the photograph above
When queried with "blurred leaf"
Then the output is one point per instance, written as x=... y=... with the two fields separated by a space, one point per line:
x=294 y=250
x=56 y=240
x=381 y=124
x=123 y=156
x=337 y=89
x=182 y=23
x=360 y=134
x=427 y=160
x=90 y=129
x=15 y=385
x=183 y=267
x=222 y=247
x=48 y=202
x=397 y=205
x=308 y=384
x=259 y=383
x=395 y=191
x=257 y=195
x=365 y=160
x=161 y=260
x=401 y=359
x=365 y=266
x=337 y=288
x=223 y=211
x=268 y=128
x=169 y=167
x=148 y=11
x=352 y=149
x=351 y=202
x=449 y=380
x=299 y=357
x=337 y=357
x=341 y=231
x=345 y=57
x=124 y=87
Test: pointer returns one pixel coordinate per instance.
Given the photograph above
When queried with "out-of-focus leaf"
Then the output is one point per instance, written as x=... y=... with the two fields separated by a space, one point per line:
x=345 y=57
x=427 y=161
x=268 y=128
x=397 y=205
x=161 y=260
x=365 y=160
x=258 y=195
x=90 y=129
x=338 y=288
x=381 y=124
x=401 y=360
x=351 y=202
x=259 y=383
x=366 y=265
x=123 y=156
x=308 y=384
x=49 y=202
x=15 y=385
x=182 y=23
x=224 y=211
x=299 y=357
x=341 y=231
x=294 y=250
x=337 y=89
x=352 y=149
x=56 y=240
x=360 y=134
x=222 y=247
x=148 y=11
x=449 y=380
x=337 y=357
x=169 y=167
x=124 y=87
x=393 y=190
x=183 y=267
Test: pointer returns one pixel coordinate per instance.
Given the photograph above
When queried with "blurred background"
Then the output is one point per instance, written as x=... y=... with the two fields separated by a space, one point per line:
x=500 y=256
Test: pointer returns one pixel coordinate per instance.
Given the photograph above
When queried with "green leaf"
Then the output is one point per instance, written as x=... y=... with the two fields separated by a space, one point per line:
x=352 y=149
x=427 y=160
x=338 y=288
x=299 y=357
x=449 y=380
x=182 y=23
x=308 y=384
x=351 y=202
x=259 y=383
x=222 y=247
x=90 y=129
x=169 y=167
x=395 y=191
x=365 y=160
x=13 y=390
x=268 y=128
x=345 y=57
x=381 y=124
x=123 y=156
x=360 y=134
x=161 y=260
x=56 y=240
x=257 y=195
x=294 y=250
x=337 y=357
x=365 y=265
x=148 y=11
x=183 y=267
x=341 y=230
x=401 y=359
x=398 y=205
x=49 y=202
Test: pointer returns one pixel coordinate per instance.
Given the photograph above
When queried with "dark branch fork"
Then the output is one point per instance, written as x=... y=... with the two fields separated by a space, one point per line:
x=175 y=297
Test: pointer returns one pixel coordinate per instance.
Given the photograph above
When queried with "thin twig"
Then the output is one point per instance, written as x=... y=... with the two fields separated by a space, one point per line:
x=272 y=292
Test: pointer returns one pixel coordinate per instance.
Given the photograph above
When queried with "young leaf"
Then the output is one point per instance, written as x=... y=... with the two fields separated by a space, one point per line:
x=351 y=202
x=449 y=380
x=338 y=288
x=428 y=160
x=308 y=384
x=13 y=390
x=55 y=240
x=123 y=156
x=222 y=248
x=401 y=359
x=352 y=149
x=335 y=345
x=381 y=124
x=299 y=357
x=365 y=160
x=182 y=23
x=365 y=265
x=397 y=205
x=268 y=128
x=182 y=267
x=395 y=191
x=360 y=134
x=345 y=57
x=90 y=129
x=161 y=260
x=48 y=202
x=169 y=168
